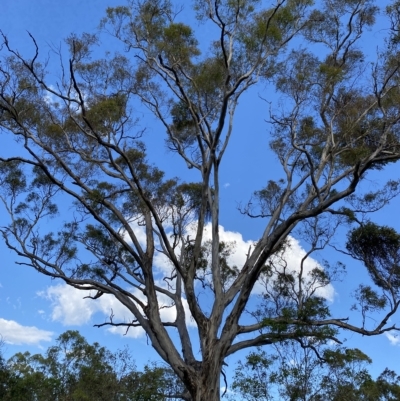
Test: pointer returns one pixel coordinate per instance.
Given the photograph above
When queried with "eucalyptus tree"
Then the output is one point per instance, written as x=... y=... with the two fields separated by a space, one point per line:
x=79 y=140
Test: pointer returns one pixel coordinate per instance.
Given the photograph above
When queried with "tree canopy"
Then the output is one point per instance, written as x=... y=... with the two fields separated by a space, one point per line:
x=79 y=147
x=73 y=370
x=297 y=373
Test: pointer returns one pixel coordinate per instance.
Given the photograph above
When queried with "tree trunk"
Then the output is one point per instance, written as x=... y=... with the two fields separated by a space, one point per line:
x=208 y=388
x=206 y=385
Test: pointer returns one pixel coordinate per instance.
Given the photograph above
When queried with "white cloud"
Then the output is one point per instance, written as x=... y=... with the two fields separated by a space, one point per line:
x=241 y=247
x=70 y=308
x=49 y=97
x=225 y=390
x=293 y=256
x=133 y=332
x=14 y=333
x=169 y=313
x=393 y=338
x=140 y=233
x=226 y=185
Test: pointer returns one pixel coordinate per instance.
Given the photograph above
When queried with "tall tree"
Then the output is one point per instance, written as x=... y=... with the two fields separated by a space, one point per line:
x=78 y=141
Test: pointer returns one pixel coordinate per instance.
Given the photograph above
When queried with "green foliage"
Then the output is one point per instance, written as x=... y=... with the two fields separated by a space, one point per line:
x=80 y=47
x=210 y=77
x=314 y=308
x=269 y=28
x=388 y=384
x=270 y=197
x=178 y=44
x=369 y=299
x=12 y=177
x=253 y=380
x=340 y=358
x=378 y=247
x=107 y=110
x=190 y=195
x=183 y=125
x=74 y=370
x=311 y=372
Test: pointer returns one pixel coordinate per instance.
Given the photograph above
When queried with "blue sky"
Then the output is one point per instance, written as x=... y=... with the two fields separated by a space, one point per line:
x=34 y=310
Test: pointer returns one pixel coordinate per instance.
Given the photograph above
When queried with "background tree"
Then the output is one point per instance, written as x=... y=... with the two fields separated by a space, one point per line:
x=74 y=370
x=311 y=372
x=4 y=373
x=78 y=141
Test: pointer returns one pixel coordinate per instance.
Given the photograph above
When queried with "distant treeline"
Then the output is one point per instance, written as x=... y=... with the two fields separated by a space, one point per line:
x=74 y=370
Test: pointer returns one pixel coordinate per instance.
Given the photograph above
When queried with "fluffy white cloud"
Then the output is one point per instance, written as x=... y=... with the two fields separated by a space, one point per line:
x=241 y=247
x=394 y=339
x=49 y=97
x=14 y=333
x=293 y=255
x=70 y=307
x=237 y=258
